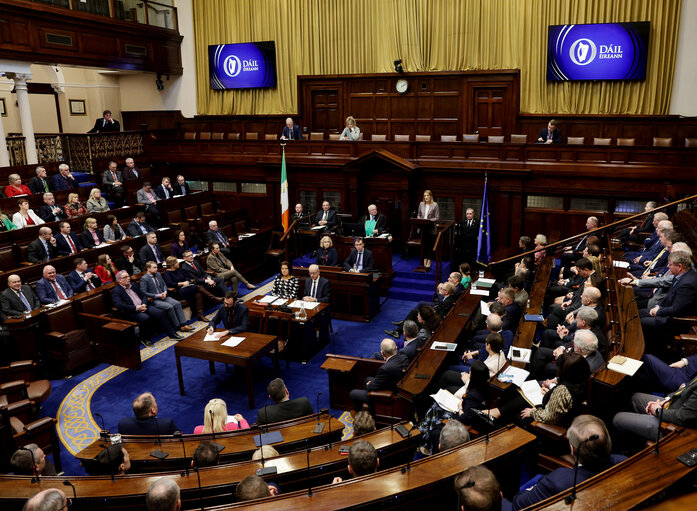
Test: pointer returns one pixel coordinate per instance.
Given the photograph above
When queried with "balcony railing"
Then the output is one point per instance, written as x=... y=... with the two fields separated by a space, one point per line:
x=147 y=12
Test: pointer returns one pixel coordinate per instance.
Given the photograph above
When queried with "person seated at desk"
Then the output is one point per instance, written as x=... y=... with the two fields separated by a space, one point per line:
x=53 y=286
x=478 y=489
x=180 y=245
x=440 y=310
x=193 y=269
x=291 y=131
x=146 y=420
x=300 y=215
x=224 y=269
x=113 y=231
x=66 y=241
x=234 y=315
x=327 y=254
x=494 y=357
x=39 y=183
x=138 y=226
x=254 y=487
x=351 y=131
x=360 y=259
x=550 y=135
x=152 y=251
x=43 y=248
x=105 y=269
x=455 y=279
x=215 y=419
x=153 y=286
x=96 y=203
x=25 y=217
x=129 y=261
x=64 y=180
x=112 y=182
x=215 y=234
x=362 y=460
x=16 y=187
x=91 y=236
x=327 y=216
x=105 y=124
x=285 y=285
x=18 y=299
x=82 y=278
x=50 y=211
x=386 y=377
x=130 y=172
x=185 y=288
x=112 y=460
x=74 y=207
x=316 y=287
x=164 y=190
x=284 y=408
x=206 y=455
x=375 y=223
x=30 y=461
x=147 y=197
x=590 y=444
x=182 y=187
x=5 y=223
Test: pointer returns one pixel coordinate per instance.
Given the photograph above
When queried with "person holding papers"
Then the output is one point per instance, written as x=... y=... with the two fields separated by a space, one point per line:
x=559 y=403
x=233 y=315
x=285 y=285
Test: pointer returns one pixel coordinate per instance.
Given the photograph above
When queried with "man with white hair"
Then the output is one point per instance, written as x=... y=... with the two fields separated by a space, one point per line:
x=52 y=499
x=291 y=131
x=379 y=222
x=387 y=376
x=584 y=342
x=316 y=287
x=130 y=171
x=573 y=252
x=163 y=495
x=651 y=240
x=214 y=234
x=64 y=180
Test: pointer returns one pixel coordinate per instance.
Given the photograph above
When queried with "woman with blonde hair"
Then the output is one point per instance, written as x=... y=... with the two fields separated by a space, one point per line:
x=428 y=209
x=16 y=187
x=351 y=131
x=74 y=207
x=215 y=419
x=96 y=203
x=327 y=254
x=540 y=242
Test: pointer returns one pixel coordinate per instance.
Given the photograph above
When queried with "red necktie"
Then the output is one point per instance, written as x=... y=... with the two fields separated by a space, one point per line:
x=72 y=245
x=58 y=291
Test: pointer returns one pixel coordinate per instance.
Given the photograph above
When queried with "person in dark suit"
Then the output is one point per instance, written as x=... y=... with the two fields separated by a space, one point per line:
x=327 y=254
x=151 y=251
x=550 y=135
x=82 y=278
x=545 y=361
x=360 y=258
x=130 y=172
x=129 y=261
x=64 y=180
x=441 y=309
x=387 y=376
x=40 y=183
x=291 y=131
x=105 y=124
x=632 y=233
x=146 y=421
x=44 y=248
x=657 y=376
x=130 y=301
x=283 y=408
x=53 y=287
x=327 y=216
x=194 y=271
x=300 y=215
x=164 y=190
x=138 y=226
x=380 y=225
x=50 y=211
x=469 y=229
x=594 y=456
x=67 y=242
x=316 y=287
x=214 y=234
x=681 y=298
x=233 y=315
x=112 y=182
x=17 y=299
x=182 y=187
x=412 y=342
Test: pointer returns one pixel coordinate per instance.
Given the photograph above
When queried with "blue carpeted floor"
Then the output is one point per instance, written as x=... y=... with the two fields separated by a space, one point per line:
x=113 y=398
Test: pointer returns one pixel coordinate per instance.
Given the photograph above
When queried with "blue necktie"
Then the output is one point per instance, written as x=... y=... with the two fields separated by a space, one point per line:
x=359 y=261
x=48 y=252
x=27 y=307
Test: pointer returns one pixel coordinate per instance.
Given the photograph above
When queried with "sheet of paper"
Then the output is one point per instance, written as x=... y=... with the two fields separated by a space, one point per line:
x=514 y=375
x=484 y=308
x=630 y=366
x=519 y=354
x=444 y=346
x=532 y=391
x=446 y=400
x=233 y=341
x=215 y=336
x=307 y=305
x=268 y=299
x=480 y=292
x=485 y=282
x=620 y=264
x=318 y=228
x=232 y=419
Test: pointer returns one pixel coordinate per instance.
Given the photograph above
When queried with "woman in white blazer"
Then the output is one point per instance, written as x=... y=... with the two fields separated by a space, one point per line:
x=25 y=216
x=428 y=209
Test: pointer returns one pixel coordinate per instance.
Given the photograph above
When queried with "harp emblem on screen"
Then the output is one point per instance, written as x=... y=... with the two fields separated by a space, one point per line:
x=232 y=66
x=579 y=52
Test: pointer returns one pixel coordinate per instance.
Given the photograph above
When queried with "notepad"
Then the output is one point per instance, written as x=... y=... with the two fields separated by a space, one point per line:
x=620 y=264
x=484 y=308
x=307 y=305
x=628 y=367
x=446 y=400
x=318 y=228
x=215 y=336
x=532 y=391
x=480 y=292
x=443 y=346
x=233 y=342
x=514 y=375
x=484 y=282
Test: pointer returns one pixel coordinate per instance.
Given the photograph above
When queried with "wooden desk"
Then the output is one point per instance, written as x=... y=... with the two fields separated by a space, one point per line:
x=382 y=255
x=244 y=355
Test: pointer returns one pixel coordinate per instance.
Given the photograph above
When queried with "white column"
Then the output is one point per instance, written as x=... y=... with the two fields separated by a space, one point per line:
x=4 y=153
x=20 y=80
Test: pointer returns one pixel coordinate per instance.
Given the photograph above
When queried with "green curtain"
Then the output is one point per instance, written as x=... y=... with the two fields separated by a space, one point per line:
x=322 y=37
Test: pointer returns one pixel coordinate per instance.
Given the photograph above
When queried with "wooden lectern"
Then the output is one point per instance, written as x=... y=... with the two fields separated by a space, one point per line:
x=424 y=227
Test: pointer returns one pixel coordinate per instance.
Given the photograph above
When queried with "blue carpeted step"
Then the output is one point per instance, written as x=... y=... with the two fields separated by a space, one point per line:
x=407 y=293
x=415 y=284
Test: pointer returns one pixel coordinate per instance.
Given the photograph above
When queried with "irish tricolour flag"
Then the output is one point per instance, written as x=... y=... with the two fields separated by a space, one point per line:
x=285 y=215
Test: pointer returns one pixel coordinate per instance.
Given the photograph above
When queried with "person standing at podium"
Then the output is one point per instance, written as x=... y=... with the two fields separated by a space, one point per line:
x=428 y=210
x=360 y=259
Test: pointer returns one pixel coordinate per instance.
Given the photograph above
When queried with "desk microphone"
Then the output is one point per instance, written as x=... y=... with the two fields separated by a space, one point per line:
x=68 y=483
x=660 y=419
x=103 y=434
x=309 y=486
x=417 y=375
x=320 y=426
x=178 y=434
x=36 y=477
x=570 y=498
x=264 y=470
x=217 y=446
x=629 y=321
x=407 y=467
x=157 y=453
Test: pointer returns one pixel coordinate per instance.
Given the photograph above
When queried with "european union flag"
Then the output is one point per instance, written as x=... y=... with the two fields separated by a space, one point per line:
x=484 y=241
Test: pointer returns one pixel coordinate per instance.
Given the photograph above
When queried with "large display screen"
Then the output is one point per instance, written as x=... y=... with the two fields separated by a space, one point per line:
x=242 y=66
x=605 y=51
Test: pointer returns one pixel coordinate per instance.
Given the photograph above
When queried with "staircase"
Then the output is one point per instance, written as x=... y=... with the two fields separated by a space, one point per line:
x=409 y=285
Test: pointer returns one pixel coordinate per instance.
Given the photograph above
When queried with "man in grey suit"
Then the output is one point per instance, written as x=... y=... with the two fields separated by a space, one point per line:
x=113 y=184
x=146 y=196
x=153 y=285
x=18 y=299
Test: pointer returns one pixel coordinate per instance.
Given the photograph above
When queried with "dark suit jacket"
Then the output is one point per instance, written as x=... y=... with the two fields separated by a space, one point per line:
x=78 y=284
x=63 y=246
x=332 y=220
x=330 y=257
x=149 y=426
x=303 y=223
x=380 y=222
x=411 y=350
x=133 y=229
x=61 y=183
x=36 y=185
x=46 y=292
x=124 y=264
x=160 y=191
x=285 y=410
x=88 y=241
x=46 y=213
x=556 y=136
x=470 y=235
x=389 y=373
x=198 y=274
x=240 y=320
x=179 y=191
x=36 y=252
x=101 y=127
x=129 y=175
x=212 y=236
x=123 y=302
x=323 y=290
x=442 y=308
x=13 y=306
x=108 y=178
x=148 y=254
x=681 y=298
x=297 y=135
x=683 y=409
x=368 y=262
